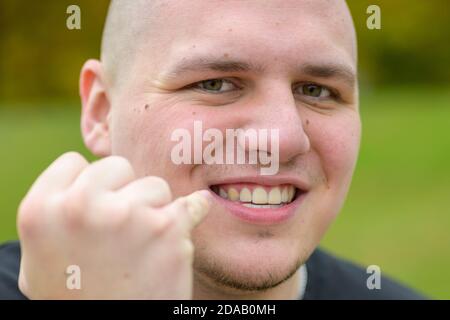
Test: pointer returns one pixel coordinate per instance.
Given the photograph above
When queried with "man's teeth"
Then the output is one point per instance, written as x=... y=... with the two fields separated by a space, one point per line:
x=233 y=194
x=223 y=193
x=259 y=196
x=267 y=206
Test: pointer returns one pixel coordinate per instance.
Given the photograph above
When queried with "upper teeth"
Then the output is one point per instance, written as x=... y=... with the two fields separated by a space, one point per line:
x=259 y=195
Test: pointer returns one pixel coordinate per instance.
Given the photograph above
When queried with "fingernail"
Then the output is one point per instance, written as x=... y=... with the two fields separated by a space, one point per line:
x=199 y=202
x=205 y=194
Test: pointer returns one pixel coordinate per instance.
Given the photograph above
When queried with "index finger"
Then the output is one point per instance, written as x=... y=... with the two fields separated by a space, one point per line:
x=60 y=174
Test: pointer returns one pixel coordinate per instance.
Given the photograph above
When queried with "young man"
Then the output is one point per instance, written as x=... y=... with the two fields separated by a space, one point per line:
x=140 y=225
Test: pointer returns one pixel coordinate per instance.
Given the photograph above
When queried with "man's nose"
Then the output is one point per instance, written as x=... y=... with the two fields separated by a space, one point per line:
x=277 y=109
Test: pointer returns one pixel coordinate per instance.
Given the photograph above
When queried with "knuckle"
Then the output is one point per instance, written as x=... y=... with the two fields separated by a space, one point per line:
x=73 y=156
x=54 y=203
x=29 y=217
x=28 y=205
x=159 y=225
x=109 y=214
x=121 y=164
x=158 y=183
x=73 y=207
x=75 y=200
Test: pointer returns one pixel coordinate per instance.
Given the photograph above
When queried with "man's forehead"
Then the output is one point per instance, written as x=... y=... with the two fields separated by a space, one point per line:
x=320 y=18
x=232 y=25
x=302 y=27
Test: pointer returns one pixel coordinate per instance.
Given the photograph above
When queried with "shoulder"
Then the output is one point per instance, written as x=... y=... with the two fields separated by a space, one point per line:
x=9 y=271
x=330 y=277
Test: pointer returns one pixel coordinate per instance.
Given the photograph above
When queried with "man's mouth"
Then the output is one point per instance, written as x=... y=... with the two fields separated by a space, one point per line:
x=260 y=200
x=257 y=196
x=260 y=204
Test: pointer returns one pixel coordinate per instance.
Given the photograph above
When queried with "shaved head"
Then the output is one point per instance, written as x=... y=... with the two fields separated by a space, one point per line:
x=127 y=24
x=131 y=23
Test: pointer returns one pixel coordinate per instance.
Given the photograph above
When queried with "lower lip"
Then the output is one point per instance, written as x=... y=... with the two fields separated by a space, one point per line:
x=261 y=216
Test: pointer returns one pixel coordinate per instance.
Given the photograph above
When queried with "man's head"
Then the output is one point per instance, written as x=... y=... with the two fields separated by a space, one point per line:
x=287 y=65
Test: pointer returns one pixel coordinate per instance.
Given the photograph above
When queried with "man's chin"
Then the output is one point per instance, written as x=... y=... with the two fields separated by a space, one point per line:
x=242 y=278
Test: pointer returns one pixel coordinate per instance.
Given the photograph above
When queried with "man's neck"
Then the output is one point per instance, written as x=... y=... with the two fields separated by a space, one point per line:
x=288 y=290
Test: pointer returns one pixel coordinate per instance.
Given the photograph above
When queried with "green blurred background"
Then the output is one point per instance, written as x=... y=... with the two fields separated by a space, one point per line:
x=397 y=214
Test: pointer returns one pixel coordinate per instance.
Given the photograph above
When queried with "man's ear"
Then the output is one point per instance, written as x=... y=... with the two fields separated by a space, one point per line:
x=96 y=109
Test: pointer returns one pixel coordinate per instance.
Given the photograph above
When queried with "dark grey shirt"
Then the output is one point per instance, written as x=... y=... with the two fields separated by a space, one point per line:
x=328 y=277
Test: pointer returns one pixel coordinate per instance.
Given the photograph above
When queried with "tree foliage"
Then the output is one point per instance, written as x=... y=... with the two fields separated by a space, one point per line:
x=40 y=58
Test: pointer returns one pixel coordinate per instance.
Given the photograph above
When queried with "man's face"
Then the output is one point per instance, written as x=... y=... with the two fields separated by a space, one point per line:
x=300 y=57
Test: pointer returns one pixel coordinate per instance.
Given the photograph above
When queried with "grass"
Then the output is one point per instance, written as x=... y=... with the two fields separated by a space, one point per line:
x=397 y=215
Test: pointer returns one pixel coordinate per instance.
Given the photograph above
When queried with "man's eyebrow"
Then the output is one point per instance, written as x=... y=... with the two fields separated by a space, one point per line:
x=341 y=71
x=317 y=70
x=205 y=64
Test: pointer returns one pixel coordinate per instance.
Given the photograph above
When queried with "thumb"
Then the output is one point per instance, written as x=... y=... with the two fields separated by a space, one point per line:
x=192 y=209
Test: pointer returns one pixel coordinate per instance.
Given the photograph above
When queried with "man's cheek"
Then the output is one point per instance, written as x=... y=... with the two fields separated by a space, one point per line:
x=338 y=144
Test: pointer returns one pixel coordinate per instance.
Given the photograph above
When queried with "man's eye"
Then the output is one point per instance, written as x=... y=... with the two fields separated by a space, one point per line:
x=315 y=91
x=215 y=85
